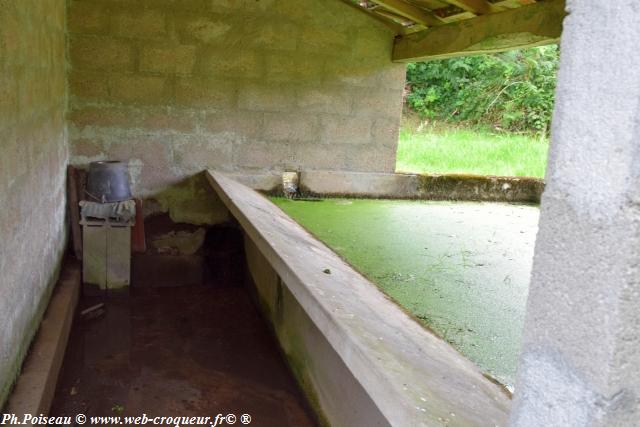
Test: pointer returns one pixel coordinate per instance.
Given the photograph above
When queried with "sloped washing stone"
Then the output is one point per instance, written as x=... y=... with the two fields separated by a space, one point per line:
x=410 y=375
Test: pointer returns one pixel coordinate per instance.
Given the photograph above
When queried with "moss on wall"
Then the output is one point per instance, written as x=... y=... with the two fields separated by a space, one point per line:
x=189 y=201
x=242 y=86
x=33 y=159
x=279 y=307
x=14 y=367
x=481 y=188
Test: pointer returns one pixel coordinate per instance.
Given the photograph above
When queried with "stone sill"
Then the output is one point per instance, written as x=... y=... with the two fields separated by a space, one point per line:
x=36 y=385
x=412 y=376
x=461 y=187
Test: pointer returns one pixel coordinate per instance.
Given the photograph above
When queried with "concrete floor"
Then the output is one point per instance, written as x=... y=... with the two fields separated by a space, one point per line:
x=183 y=351
x=461 y=268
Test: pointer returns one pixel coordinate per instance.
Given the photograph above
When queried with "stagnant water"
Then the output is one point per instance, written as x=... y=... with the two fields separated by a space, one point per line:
x=194 y=351
x=461 y=268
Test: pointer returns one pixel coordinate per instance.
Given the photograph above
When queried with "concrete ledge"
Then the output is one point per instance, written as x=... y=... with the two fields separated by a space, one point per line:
x=360 y=184
x=405 y=186
x=480 y=188
x=36 y=385
x=426 y=187
x=371 y=364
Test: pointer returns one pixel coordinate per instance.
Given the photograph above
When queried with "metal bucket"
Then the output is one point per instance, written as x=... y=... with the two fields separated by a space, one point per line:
x=108 y=181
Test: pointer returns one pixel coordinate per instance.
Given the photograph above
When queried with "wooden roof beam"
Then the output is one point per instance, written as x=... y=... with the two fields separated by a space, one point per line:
x=479 y=7
x=532 y=25
x=414 y=13
x=395 y=27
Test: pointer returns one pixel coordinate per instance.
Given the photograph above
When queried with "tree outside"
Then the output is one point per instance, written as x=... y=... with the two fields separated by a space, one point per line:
x=503 y=101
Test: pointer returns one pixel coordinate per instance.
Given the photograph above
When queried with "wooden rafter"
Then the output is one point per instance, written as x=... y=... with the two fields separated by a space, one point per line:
x=510 y=4
x=429 y=4
x=479 y=7
x=532 y=25
x=395 y=27
x=459 y=17
x=410 y=11
x=393 y=16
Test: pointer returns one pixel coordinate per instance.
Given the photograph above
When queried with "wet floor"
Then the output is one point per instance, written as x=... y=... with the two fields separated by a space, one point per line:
x=461 y=268
x=183 y=351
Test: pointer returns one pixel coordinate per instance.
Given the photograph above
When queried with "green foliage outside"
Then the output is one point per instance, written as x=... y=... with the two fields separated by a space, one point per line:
x=429 y=148
x=511 y=91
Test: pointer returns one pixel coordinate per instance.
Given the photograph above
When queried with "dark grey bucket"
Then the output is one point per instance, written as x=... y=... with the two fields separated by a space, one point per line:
x=108 y=181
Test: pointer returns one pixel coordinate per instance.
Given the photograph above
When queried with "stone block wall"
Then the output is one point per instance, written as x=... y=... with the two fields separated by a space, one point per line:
x=250 y=86
x=33 y=158
x=173 y=87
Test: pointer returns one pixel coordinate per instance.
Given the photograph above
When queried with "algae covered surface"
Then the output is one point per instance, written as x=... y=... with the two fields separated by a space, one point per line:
x=461 y=268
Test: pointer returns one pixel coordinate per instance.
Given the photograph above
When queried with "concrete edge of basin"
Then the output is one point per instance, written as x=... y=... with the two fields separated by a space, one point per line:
x=461 y=187
x=410 y=375
x=36 y=385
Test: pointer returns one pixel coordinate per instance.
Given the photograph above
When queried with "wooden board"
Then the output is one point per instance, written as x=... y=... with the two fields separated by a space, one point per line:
x=94 y=264
x=532 y=25
x=118 y=261
x=73 y=199
x=138 y=242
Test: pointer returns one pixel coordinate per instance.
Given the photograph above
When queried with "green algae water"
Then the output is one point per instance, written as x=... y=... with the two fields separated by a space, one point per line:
x=461 y=268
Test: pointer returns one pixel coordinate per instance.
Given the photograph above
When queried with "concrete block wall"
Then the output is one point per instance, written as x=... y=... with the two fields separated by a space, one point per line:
x=177 y=86
x=580 y=359
x=33 y=158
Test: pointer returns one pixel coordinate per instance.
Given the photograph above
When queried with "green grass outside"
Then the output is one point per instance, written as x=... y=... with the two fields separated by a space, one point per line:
x=441 y=149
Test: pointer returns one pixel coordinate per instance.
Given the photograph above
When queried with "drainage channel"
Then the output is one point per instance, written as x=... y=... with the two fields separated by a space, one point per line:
x=178 y=351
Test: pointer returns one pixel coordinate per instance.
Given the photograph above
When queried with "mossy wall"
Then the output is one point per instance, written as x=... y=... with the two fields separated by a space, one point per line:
x=249 y=86
x=33 y=159
x=331 y=389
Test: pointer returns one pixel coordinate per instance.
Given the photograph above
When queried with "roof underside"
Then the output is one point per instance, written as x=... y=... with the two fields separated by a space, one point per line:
x=433 y=29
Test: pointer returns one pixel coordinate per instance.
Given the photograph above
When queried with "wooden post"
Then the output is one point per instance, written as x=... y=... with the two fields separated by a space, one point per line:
x=74 y=211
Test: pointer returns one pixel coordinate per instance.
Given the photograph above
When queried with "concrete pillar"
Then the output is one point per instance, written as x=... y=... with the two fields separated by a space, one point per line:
x=580 y=364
